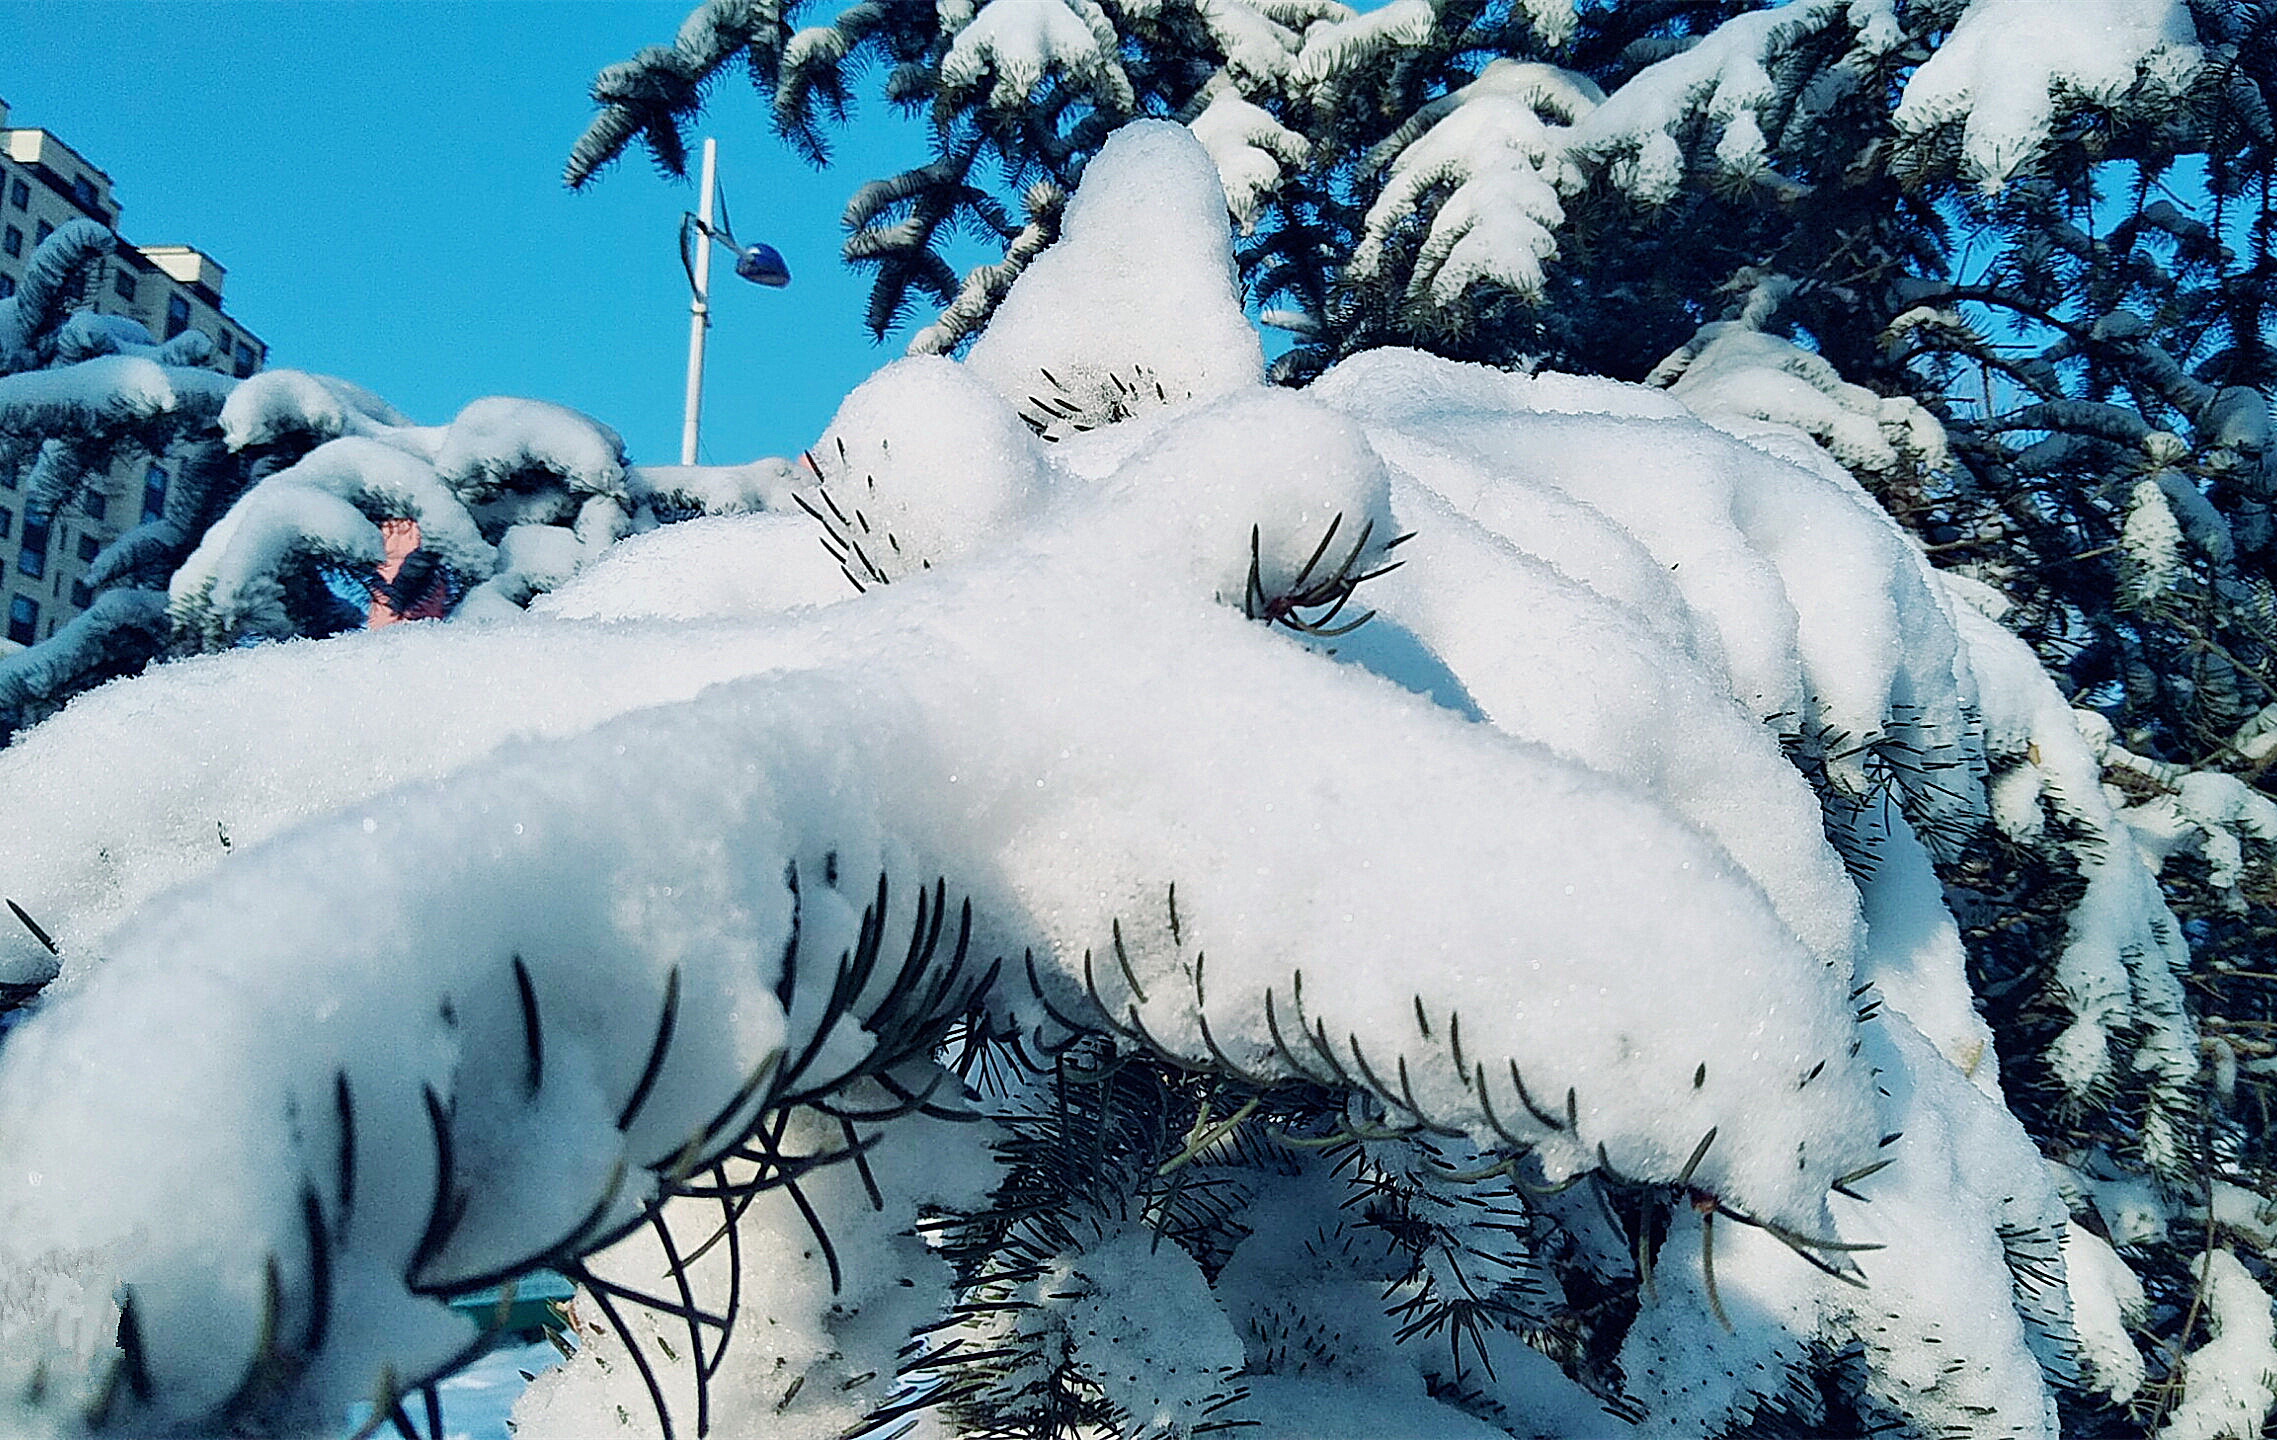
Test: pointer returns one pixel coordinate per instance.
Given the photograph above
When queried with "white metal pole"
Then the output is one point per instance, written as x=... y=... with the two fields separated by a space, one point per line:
x=699 y=310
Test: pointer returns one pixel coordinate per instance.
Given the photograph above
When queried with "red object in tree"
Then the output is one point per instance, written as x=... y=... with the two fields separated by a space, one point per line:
x=399 y=537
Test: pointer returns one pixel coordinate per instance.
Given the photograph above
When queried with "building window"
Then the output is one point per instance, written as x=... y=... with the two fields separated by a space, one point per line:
x=8 y=478
x=23 y=619
x=41 y=231
x=177 y=316
x=7 y=523
x=83 y=191
x=20 y=195
x=32 y=558
x=96 y=506
x=7 y=286
x=153 y=495
x=89 y=547
x=13 y=241
x=247 y=362
x=82 y=594
x=122 y=285
x=221 y=345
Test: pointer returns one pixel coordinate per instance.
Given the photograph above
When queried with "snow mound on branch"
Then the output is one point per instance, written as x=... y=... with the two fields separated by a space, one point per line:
x=817 y=1360
x=2229 y=1384
x=922 y=462
x=1733 y=371
x=726 y=565
x=1136 y=305
x=1501 y=143
x=1019 y=42
x=1723 y=79
x=107 y=391
x=1253 y=152
x=2007 y=63
x=495 y=441
x=1746 y=544
x=2106 y=1297
x=1333 y=44
x=277 y=403
x=2119 y=973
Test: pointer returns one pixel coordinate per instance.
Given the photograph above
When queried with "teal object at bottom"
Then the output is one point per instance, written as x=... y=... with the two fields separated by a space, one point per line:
x=528 y=1312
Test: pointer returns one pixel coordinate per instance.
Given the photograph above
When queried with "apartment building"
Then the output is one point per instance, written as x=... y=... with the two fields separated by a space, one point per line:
x=168 y=289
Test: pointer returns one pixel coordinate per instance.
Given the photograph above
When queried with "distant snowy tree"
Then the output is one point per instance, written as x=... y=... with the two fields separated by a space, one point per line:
x=999 y=948
x=80 y=392
x=285 y=487
x=503 y=504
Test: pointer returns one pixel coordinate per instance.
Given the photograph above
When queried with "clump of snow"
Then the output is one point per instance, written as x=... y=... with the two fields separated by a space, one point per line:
x=1332 y=44
x=2229 y=1384
x=1732 y=370
x=1084 y=327
x=495 y=442
x=764 y=484
x=2106 y=1297
x=41 y=297
x=2119 y=974
x=2245 y=1214
x=922 y=462
x=808 y=1362
x=1142 y=1306
x=1253 y=152
x=1019 y=42
x=279 y=403
x=716 y=566
x=1501 y=143
x=1724 y=78
x=2202 y=812
x=109 y=390
x=2150 y=545
x=2005 y=64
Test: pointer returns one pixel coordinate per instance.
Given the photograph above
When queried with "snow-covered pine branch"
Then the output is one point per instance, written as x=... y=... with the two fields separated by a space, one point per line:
x=1568 y=933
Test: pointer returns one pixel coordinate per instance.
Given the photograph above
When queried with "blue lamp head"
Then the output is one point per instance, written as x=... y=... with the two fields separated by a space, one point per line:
x=761 y=265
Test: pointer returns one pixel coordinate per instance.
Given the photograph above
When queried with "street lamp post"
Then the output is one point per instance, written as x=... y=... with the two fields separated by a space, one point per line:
x=759 y=264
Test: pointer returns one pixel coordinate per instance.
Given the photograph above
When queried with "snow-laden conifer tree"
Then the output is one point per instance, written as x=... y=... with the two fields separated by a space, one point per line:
x=2006 y=261
x=80 y=392
x=1000 y=948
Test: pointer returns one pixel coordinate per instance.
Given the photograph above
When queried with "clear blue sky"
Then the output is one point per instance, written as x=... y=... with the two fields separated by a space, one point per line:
x=382 y=181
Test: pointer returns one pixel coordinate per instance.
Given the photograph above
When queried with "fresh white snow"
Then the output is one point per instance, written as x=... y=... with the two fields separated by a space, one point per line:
x=1529 y=863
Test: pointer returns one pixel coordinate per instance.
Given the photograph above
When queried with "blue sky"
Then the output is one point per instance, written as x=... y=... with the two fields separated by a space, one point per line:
x=381 y=179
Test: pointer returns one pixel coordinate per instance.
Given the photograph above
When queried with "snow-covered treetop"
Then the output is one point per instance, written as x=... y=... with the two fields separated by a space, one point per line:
x=1463 y=164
